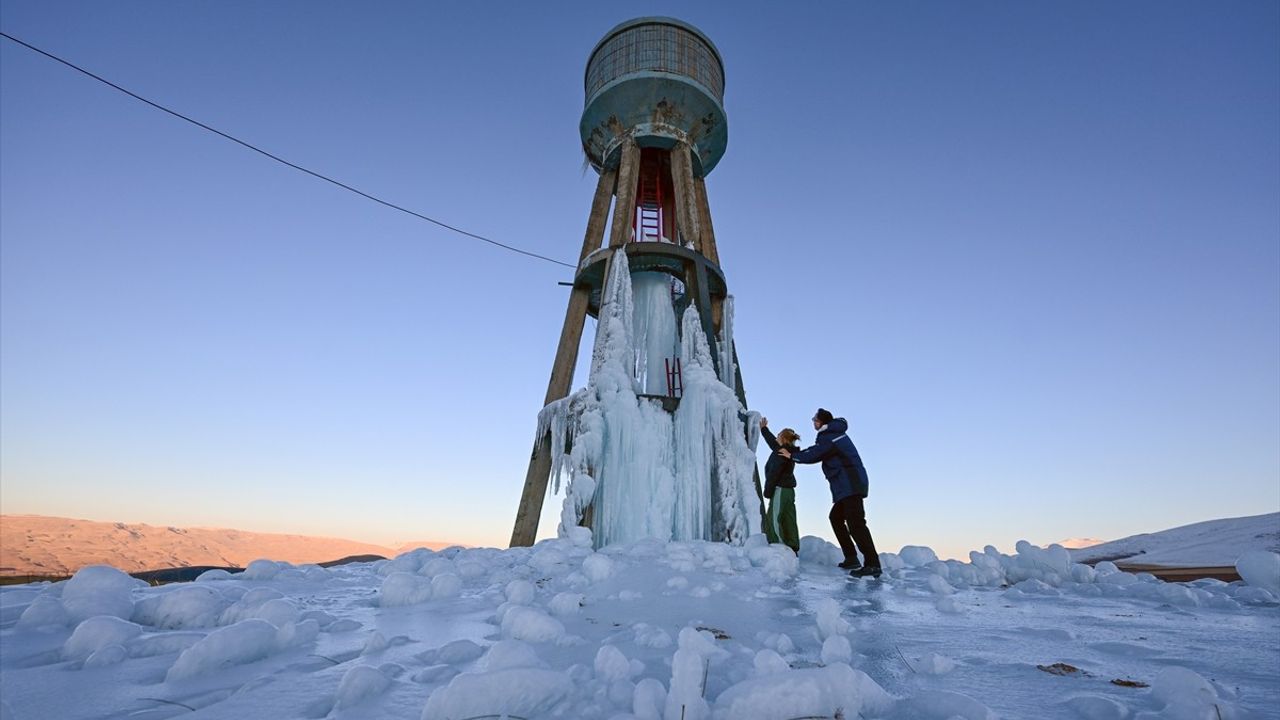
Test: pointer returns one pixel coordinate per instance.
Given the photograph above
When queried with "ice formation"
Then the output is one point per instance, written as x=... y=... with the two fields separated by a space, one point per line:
x=644 y=472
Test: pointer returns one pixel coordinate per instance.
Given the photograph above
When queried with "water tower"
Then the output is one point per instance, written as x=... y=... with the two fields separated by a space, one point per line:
x=653 y=127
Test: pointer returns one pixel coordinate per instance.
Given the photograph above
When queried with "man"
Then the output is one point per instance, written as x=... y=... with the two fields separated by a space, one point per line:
x=848 y=480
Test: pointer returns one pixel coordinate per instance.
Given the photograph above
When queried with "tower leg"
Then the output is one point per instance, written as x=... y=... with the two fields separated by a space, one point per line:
x=535 y=480
x=687 y=213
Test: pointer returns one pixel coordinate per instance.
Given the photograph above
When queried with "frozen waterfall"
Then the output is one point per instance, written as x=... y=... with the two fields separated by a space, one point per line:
x=635 y=470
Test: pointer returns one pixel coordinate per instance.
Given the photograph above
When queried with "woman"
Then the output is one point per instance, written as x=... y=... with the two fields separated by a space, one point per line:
x=780 y=488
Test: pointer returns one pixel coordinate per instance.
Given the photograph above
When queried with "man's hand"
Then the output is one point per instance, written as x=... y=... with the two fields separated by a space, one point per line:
x=785 y=453
x=764 y=422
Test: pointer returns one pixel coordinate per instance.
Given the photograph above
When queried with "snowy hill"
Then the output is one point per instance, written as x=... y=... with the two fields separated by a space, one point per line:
x=44 y=545
x=645 y=631
x=1214 y=543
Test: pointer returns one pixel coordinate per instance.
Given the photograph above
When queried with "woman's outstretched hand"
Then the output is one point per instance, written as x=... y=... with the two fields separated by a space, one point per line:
x=764 y=422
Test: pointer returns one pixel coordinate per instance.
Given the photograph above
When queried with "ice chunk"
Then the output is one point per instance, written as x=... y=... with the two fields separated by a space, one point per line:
x=44 y=611
x=446 y=585
x=97 y=633
x=245 y=642
x=522 y=692
x=1184 y=693
x=520 y=592
x=597 y=567
x=359 y=684
x=402 y=588
x=99 y=590
x=829 y=620
x=831 y=691
x=769 y=662
x=648 y=699
x=109 y=655
x=214 y=575
x=836 y=649
x=566 y=603
x=1260 y=568
x=611 y=665
x=263 y=569
x=506 y=654
x=531 y=625
x=458 y=652
x=917 y=556
x=186 y=606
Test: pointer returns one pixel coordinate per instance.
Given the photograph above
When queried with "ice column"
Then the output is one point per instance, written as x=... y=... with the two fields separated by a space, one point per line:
x=644 y=472
x=655 y=330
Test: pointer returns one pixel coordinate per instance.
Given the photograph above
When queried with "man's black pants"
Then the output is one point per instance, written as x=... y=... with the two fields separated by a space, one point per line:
x=849 y=521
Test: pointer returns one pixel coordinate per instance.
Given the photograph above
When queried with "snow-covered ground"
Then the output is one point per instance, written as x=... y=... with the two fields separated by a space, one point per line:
x=1204 y=544
x=646 y=630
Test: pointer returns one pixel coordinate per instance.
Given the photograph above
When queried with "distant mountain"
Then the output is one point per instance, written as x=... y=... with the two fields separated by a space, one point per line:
x=42 y=545
x=1078 y=543
x=1206 y=544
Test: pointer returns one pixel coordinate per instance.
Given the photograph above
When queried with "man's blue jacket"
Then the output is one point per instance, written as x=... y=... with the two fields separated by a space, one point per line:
x=840 y=461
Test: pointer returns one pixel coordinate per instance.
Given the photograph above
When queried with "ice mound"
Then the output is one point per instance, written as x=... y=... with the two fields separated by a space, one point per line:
x=831 y=691
x=1260 y=568
x=99 y=590
x=523 y=692
x=97 y=633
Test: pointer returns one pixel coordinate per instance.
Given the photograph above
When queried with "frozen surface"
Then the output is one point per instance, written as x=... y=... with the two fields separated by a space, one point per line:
x=648 y=630
x=1215 y=543
x=643 y=472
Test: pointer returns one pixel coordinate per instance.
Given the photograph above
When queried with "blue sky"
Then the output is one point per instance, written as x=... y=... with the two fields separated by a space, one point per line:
x=1031 y=250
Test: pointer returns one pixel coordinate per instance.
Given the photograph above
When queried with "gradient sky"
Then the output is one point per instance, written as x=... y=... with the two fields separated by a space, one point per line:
x=1031 y=250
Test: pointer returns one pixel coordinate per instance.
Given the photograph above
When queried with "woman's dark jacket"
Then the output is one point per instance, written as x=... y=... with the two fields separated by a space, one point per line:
x=778 y=471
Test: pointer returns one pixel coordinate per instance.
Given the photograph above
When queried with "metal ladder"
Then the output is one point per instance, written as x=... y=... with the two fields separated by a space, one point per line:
x=648 y=224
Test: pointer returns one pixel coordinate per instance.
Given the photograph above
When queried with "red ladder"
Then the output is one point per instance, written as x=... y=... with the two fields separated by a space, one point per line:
x=649 y=218
x=675 y=380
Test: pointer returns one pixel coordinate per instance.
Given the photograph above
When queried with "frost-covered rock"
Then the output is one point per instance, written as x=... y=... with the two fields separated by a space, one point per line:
x=520 y=592
x=523 y=692
x=566 y=603
x=1260 y=568
x=263 y=569
x=531 y=625
x=814 y=692
x=97 y=633
x=597 y=567
x=611 y=665
x=44 y=611
x=446 y=585
x=1183 y=693
x=359 y=684
x=402 y=588
x=99 y=590
x=243 y=642
x=648 y=699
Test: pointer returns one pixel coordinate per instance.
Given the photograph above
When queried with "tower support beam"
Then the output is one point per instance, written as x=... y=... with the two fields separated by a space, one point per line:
x=575 y=317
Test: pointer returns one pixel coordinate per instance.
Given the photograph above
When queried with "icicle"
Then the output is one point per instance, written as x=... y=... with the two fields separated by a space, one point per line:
x=654 y=330
x=727 y=374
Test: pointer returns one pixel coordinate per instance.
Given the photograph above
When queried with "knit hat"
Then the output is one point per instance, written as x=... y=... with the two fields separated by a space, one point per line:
x=823 y=416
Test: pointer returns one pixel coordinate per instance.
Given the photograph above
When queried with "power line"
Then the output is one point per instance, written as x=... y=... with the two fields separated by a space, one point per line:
x=279 y=159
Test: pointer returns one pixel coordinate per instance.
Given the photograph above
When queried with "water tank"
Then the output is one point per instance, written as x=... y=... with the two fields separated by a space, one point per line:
x=660 y=80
